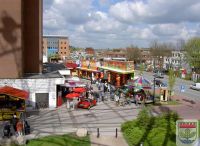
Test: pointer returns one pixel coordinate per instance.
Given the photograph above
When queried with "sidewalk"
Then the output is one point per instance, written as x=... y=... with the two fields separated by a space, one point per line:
x=107 y=140
x=187 y=109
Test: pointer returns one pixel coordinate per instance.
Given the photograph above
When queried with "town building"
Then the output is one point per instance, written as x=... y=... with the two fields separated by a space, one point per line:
x=115 y=53
x=53 y=45
x=20 y=37
x=21 y=53
x=176 y=61
x=89 y=51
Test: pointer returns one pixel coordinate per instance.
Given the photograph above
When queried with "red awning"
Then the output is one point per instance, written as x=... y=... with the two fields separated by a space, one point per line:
x=71 y=65
x=14 y=92
x=72 y=95
x=79 y=90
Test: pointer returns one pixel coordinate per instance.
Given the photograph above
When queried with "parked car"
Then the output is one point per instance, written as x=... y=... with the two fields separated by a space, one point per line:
x=86 y=103
x=160 y=83
x=195 y=86
x=159 y=75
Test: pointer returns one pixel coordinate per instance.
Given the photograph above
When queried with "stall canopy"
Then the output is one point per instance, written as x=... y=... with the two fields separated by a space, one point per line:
x=10 y=91
x=72 y=95
x=79 y=90
x=141 y=83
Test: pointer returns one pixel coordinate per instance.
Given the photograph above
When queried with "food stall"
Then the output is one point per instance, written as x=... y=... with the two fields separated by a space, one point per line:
x=12 y=101
x=118 y=72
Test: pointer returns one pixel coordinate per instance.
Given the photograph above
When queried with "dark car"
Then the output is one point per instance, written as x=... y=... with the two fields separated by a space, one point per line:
x=86 y=103
x=159 y=75
x=160 y=83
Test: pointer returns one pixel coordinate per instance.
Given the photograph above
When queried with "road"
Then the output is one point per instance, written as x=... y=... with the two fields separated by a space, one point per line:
x=188 y=94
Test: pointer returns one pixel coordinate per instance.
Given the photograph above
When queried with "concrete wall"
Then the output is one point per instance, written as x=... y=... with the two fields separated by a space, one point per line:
x=47 y=85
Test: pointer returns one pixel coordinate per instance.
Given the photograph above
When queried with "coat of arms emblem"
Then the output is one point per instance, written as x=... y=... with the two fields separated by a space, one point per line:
x=186 y=132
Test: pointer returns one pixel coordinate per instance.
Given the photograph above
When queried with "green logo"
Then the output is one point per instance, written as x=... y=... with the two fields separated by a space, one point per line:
x=186 y=132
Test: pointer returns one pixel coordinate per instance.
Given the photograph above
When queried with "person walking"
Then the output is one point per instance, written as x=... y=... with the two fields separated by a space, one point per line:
x=19 y=127
x=136 y=99
x=116 y=100
x=14 y=121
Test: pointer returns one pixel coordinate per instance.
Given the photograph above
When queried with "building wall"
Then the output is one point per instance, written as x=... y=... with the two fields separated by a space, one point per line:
x=44 y=43
x=20 y=33
x=32 y=35
x=33 y=86
x=59 y=44
x=63 y=50
x=11 y=39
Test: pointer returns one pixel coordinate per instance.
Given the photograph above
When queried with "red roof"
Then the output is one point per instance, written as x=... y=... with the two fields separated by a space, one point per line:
x=14 y=92
x=71 y=65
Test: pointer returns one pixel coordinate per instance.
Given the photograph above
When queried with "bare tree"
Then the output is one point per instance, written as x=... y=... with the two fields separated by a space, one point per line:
x=159 y=51
x=133 y=53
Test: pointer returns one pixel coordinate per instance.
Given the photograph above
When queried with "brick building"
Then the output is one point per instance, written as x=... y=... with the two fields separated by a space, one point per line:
x=89 y=51
x=56 y=45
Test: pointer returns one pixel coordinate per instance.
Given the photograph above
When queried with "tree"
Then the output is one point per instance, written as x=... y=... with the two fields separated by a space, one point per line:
x=141 y=68
x=171 y=82
x=192 y=49
x=159 y=51
x=133 y=53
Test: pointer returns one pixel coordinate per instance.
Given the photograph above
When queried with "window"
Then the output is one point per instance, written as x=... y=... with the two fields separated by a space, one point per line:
x=61 y=42
x=61 y=47
x=61 y=52
x=65 y=47
x=65 y=52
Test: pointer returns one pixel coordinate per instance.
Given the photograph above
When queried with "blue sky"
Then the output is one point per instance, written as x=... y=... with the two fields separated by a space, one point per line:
x=121 y=23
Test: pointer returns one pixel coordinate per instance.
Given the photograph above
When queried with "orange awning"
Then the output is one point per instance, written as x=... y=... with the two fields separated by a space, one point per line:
x=14 y=92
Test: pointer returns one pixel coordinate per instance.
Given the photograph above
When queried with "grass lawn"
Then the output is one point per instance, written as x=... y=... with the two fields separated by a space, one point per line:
x=60 y=140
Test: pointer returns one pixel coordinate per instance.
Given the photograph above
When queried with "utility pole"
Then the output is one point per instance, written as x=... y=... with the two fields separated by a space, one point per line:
x=154 y=89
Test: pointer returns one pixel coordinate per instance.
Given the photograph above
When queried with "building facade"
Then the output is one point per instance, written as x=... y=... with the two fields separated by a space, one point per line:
x=54 y=45
x=20 y=34
x=176 y=61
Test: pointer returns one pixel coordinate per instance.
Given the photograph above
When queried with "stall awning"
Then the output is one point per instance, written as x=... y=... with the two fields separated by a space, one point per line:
x=14 y=92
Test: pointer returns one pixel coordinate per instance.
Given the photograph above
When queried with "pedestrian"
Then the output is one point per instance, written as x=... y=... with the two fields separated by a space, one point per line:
x=19 y=127
x=7 y=130
x=136 y=99
x=116 y=99
x=14 y=121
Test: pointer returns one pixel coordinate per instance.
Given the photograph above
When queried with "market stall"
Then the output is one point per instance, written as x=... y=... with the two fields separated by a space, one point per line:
x=12 y=101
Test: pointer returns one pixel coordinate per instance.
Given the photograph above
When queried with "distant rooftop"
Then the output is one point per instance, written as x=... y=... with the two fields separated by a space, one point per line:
x=55 y=36
x=54 y=74
x=50 y=70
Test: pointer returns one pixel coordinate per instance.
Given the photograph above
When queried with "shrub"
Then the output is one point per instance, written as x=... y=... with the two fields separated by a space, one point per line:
x=157 y=131
x=143 y=119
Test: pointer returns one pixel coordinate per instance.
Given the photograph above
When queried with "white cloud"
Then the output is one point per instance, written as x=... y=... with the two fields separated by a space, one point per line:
x=118 y=23
x=156 y=11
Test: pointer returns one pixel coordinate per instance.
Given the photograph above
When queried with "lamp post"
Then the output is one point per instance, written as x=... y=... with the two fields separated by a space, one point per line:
x=154 y=89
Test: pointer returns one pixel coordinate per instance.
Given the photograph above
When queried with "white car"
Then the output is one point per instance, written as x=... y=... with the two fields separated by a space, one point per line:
x=195 y=86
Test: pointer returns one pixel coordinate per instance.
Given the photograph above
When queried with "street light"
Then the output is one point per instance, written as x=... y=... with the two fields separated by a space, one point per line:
x=154 y=89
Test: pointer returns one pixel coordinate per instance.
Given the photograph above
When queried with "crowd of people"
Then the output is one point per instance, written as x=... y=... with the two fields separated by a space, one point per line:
x=16 y=127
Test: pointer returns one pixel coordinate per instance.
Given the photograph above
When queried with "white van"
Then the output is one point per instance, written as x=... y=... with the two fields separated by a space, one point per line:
x=195 y=86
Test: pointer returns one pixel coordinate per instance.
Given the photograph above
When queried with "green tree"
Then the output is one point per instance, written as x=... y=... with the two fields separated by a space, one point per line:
x=141 y=68
x=192 y=49
x=171 y=82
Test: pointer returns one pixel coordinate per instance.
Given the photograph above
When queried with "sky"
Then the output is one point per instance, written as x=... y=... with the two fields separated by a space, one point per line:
x=105 y=24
